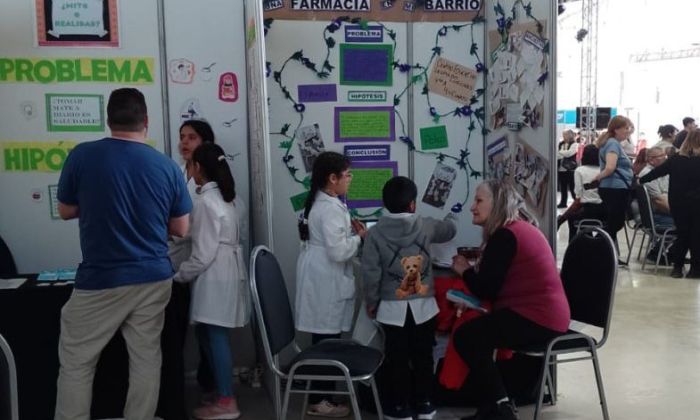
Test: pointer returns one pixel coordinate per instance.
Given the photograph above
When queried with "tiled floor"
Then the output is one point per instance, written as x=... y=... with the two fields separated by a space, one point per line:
x=651 y=363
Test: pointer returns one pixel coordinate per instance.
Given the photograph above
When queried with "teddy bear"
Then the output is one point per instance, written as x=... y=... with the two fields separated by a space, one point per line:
x=411 y=284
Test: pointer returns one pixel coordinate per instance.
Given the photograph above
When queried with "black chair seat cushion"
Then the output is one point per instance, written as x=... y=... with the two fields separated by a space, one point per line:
x=360 y=360
x=576 y=342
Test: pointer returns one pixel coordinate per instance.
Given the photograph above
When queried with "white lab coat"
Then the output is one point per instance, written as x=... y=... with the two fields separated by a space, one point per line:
x=216 y=264
x=179 y=249
x=325 y=292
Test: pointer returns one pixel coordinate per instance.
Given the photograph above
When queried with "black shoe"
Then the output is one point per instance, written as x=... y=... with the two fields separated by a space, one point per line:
x=561 y=206
x=425 y=411
x=622 y=263
x=693 y=274
x=398 y=413
x=677 y=272
x=504 y=411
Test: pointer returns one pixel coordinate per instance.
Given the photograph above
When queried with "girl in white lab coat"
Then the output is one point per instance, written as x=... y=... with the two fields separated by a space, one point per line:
x=219 y=291
x=325 y=292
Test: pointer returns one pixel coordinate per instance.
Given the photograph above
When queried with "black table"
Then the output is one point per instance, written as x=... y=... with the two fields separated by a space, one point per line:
x=30 y=322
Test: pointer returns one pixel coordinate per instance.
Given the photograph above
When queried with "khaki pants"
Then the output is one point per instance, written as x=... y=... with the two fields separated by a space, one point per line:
x=88 y=321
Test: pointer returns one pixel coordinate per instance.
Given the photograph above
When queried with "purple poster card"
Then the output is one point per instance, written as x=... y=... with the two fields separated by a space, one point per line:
x=358 y=153
x=368 y=179
x=356 y=33
x=366 y=64
x=364 y=123
x=318 y=93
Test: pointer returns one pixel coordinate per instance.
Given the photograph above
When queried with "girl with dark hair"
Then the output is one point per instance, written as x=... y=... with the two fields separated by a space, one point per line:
x=193 y=133
x=216 y=265
x=325 y=292
x=667 y=133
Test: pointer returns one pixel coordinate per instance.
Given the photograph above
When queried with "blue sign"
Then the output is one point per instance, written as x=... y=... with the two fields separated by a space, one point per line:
x=566 y=116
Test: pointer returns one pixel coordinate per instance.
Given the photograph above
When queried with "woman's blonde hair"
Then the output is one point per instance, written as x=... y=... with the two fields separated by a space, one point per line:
x=617 y=122
x=691 y=145
x=508 y=207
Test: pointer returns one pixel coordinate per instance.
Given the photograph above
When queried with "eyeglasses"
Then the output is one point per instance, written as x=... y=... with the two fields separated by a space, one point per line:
x=655 y=157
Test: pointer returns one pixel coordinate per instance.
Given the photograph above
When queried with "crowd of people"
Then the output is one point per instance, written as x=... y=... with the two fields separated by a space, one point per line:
x=611 y=166
x=161 y=250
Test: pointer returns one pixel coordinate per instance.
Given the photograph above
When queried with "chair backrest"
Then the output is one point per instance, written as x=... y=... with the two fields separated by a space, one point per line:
x=645 y=210
x=8 y=383
x=8 y=268
x=271 y=301
x=589 y=275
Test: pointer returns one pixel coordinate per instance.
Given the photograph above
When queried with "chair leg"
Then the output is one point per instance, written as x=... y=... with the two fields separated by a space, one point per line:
x=599 y=382
x=646 y=254
x=543 y=382
x=285 y=403
x=305 y=405
x=353 y=400
x=278 y=398
x=629 y=255
x=641 y=246
x=377 y=401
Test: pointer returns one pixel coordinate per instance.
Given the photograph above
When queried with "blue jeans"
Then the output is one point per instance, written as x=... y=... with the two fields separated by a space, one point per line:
x=663 y=221
x=215 y=340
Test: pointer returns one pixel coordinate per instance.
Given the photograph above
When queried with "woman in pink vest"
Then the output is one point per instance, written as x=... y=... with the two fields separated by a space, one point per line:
x=518 y=273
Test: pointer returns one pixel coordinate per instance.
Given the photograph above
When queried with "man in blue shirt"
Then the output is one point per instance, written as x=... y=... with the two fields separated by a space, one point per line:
x=127 y=197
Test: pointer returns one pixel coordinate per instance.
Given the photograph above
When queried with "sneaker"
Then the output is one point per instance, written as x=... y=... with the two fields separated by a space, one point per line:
x=677 y=272
x=399 y=412
x=218 y=411
x=561 y=206
x=208 y=398
x=426 y=411
x=328 y=409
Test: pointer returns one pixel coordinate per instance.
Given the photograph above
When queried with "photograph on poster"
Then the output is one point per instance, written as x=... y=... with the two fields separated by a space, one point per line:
x=228 y=87
x=366 y=64
x=310 y=144
x=191 y=110
x=452 y=80
x=368 y=179
x=74 y=112
x=366 y=123
x=514 y=76
x=499 y=159
x=70 y=23
x=440 y=185
x=530 y=175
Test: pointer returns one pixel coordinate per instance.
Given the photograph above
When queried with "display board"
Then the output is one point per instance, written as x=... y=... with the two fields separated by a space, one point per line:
x=520 y=103
x=396 y=97
x=53 y=98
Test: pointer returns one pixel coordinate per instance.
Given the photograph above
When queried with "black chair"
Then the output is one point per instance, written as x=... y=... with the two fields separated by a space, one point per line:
x=328 y=360
x=8 y=383
x=589 y=275
x=8 y=269
x=661 y=238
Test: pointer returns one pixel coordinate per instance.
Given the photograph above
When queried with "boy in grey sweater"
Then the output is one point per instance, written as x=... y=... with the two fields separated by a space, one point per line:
x=399 y=292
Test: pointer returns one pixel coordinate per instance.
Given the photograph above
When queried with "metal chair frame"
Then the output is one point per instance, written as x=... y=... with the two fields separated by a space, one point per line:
x=12 y=378
x=663 y=239
x=551 y=354
x=282 y=403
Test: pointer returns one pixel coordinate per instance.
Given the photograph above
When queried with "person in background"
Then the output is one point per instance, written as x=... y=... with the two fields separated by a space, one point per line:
x=683 y=170
x=518 y=273
x=566 y=164
x=628 y=145
x=667 y=134
x=688 y=125
x=588 y=204
x=127 y=197
x=217 y=268
x=658 y=194
x=325 y=291
x=402 y=239
x=615 y=177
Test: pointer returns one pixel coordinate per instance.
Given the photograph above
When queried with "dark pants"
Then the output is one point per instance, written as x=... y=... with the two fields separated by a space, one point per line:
x=686 y=217
x=587 y=211
x=476 y=340
x=566 y=184
x=616 y=201
x=325 y=385
x=408 y=361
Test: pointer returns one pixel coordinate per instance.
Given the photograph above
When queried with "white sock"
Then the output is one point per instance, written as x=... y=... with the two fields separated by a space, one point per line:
x=502 y=400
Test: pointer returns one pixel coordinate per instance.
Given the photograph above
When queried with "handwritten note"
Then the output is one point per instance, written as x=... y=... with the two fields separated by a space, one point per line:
x=452 y=80
x=433 y=137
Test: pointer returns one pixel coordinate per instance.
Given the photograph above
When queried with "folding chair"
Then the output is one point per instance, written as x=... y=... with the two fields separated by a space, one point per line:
x=328 y=360
x=658 y=237
x=589 y=275
x=9 y=408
